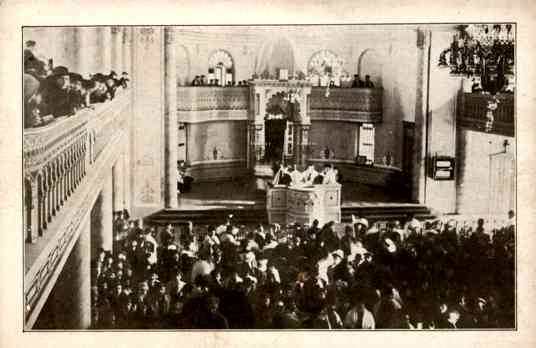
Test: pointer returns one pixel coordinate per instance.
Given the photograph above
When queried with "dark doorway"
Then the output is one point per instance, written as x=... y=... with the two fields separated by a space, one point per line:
x=274 y=139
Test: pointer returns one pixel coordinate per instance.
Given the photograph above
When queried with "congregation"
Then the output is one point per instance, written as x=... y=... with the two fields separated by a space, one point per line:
x=415 y=275
x=51 y=92
x=342 y=82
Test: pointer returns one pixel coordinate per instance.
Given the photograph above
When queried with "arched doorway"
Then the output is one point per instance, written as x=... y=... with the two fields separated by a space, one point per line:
x=274 y=139
x=282 y=112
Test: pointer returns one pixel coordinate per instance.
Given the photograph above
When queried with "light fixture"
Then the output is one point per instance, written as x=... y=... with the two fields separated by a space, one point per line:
x=485 y=50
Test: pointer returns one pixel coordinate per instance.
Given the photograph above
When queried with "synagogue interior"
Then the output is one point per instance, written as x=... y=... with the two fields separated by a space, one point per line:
x=269 y=177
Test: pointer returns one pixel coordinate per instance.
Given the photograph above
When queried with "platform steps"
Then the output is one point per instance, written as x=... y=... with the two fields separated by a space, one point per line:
x=251 y=216
x=387 y=212
x=208 y=217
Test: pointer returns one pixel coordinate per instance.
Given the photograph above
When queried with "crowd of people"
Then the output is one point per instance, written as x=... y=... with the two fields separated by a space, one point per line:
x=203 y=81
x=343 y=82
x=289 y=175
x=51 y=92
x=415 y=275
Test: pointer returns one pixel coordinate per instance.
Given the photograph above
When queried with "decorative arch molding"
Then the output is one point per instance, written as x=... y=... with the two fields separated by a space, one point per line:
x=221 y=56
x=325 y=58
x=363 y=69
x=264 y=58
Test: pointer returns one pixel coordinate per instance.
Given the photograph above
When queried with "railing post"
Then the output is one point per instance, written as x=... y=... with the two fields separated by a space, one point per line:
x=32 y=206
x=48 y=194
x=42 y=205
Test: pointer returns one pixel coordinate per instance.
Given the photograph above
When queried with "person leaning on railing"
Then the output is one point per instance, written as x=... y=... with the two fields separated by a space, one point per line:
x=56 y=90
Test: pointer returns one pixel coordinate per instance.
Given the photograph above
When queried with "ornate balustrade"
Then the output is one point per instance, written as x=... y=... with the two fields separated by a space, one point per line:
x=346 y=104
x=57 y=156
x=474 y=107
x=212 y=98
x=68 y=160
x=202 y=104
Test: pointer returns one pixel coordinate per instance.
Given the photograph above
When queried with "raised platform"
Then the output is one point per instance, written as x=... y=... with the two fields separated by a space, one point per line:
x=211 y=203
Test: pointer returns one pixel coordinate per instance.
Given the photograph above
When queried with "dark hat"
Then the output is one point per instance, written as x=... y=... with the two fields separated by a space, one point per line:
x=60 y=71
x=75 y=77
x=88 y=84
x=98 y=77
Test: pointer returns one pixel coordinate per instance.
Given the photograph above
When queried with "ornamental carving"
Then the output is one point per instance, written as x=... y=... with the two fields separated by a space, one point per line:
x=147 y=36
x=212 y=98
x=169 y=35
x=39 y=275
x=353 y=99
x=220 y=57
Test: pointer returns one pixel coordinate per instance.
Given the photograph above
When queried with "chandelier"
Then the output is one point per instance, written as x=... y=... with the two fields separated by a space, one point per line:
x=484 y=51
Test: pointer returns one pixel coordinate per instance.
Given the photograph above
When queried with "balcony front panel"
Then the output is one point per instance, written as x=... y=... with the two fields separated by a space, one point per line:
x=473 y=113
x=346 y=104
x=63 y=176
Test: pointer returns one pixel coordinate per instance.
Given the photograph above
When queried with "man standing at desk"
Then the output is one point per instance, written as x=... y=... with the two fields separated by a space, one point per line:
x=309 y=175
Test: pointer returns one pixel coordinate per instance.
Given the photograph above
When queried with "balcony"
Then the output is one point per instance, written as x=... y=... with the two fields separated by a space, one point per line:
x=202 y=104
x=474 y=107
x=347 y=104
x=63 y=163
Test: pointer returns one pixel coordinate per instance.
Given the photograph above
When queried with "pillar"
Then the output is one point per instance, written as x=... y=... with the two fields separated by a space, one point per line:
x=170 y=115
x=126 y=47
x=102 y=219
x=418 y=182
x=117 y=173
x=81 y=318
x=107 y=214
x=104 y=47
x=86 y=39
x=117 y=49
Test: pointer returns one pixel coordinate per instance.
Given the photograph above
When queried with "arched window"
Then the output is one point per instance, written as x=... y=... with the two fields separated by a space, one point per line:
x=370 y=63
x=325 y=66
x=220 y=68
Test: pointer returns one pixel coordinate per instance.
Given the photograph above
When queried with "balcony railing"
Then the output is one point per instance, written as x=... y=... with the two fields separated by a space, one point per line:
x=474 y=107
x=65 y=163
x=57 y=156
x=212 y=98
x=347 y=104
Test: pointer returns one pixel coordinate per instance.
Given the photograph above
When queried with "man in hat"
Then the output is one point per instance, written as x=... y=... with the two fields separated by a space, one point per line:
x=76 y=95
x=111 y=84
x=100 y=92
x=368 y=82
x=124 y=80
x=56 y=93
x=357 y=83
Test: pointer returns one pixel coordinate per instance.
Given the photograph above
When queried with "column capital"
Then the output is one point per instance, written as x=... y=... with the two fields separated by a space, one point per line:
x=116 y=30
x=169 y=35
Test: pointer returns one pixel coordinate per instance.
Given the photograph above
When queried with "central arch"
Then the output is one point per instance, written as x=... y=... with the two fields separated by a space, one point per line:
x=274 y=55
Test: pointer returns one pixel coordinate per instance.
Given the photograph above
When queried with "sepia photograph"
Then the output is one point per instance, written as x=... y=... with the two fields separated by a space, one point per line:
x=269 y=177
